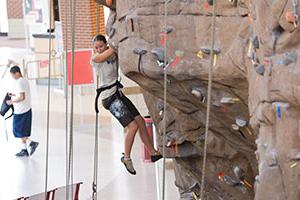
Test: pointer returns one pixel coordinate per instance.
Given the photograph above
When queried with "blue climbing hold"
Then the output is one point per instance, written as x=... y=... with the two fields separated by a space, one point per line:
x=278 y=111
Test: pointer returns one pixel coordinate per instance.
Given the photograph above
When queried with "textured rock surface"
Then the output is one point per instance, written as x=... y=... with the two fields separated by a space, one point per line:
x=255 y=82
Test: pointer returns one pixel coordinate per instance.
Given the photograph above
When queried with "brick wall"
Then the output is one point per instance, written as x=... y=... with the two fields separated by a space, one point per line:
x=86 y=22
x=14 y=9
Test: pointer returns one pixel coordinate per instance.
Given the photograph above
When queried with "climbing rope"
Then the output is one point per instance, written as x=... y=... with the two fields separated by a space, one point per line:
x=165 y=102
x=68 y=3
x=213 y=32
x=96 y=147
x=48 y=97
x=70 y=157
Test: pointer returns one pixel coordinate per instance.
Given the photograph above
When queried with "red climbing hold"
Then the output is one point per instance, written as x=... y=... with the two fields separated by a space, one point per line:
x=206 y=6
x=163 y=38
x=221 y=176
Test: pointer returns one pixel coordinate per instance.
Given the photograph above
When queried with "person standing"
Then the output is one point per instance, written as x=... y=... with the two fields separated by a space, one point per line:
x=22 y=120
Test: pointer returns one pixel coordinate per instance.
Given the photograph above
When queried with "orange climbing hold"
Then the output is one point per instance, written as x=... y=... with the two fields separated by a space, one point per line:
x=290 y=17
x=109 y=2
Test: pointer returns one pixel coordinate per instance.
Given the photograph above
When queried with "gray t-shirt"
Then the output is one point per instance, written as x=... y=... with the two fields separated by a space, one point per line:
x=108 y=74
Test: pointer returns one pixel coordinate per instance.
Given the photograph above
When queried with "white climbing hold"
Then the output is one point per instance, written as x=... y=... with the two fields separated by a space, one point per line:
x=229 y=100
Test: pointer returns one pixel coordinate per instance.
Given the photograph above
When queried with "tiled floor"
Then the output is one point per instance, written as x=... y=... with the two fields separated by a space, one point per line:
x=22 y=177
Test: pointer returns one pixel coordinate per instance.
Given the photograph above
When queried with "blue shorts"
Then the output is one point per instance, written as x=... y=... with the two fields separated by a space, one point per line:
x=22 y=124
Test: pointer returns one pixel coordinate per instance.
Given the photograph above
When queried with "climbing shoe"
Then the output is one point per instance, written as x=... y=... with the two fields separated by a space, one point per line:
x=32 y=147
x=22 y=153
x=129 y=165
x=155 y=157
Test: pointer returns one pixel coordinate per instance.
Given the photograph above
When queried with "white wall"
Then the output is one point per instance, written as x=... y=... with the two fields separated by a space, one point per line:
x=16 y=28
x=3 y=17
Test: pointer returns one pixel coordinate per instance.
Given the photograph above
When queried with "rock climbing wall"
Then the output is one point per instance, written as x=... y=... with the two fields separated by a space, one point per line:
x=254 y=134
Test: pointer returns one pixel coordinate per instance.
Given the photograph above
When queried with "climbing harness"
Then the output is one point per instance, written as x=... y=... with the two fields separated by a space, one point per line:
x=101 y=89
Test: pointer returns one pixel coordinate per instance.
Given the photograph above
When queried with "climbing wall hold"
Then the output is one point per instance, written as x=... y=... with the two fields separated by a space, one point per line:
x=289 y=58
x=272 y=159
x=168 y=29
x=210 y=2
x=163 y=38
x=230 y=181
x=260 y=69
x=195 y=196
x=243 y=124
x=198 y=93
x=293 y=165
x=289 y=16
x=159 y=53
x=281 y=108
x=200 y=54
x=206 y=6
x=296 y=14
x=229 y=100
x=233 y=2
x=112 y=32
x=215 y=60
x=169 y=82
x=179 y=55
x=239 y=173
x=292 y=16
x=247 y=183
x=161 y=112
x=240 y=122
x=278 y=111
x=268 y=61
x=206 y=50
x=250 y=52
x=237 y=128
x=255 y=42
x=276 y=33
x=139 y=51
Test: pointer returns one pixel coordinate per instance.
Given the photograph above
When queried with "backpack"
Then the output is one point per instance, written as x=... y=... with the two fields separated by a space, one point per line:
x=5 y=107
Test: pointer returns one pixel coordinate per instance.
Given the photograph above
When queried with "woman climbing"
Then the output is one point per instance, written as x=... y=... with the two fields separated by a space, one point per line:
x=104 y=61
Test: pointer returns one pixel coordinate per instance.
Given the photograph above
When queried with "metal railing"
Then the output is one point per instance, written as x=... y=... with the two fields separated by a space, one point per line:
x=40 y=63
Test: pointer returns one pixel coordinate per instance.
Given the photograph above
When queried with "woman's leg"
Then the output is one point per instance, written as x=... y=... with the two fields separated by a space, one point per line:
x=129 y=138
x=144 y=134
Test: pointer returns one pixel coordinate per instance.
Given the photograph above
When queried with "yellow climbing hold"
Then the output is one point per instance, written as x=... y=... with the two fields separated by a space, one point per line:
x=200 y=54
x=293 y=165
x=215 y=60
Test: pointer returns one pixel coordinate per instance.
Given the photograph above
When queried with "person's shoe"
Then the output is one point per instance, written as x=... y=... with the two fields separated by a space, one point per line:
x=155 y=157
x=22 y=153
x=32 y=147
x=129 y=165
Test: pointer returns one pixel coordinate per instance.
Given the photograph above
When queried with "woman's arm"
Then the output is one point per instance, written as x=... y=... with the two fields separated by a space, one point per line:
x=101 y=57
